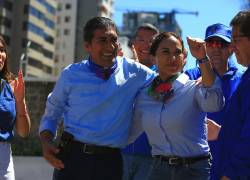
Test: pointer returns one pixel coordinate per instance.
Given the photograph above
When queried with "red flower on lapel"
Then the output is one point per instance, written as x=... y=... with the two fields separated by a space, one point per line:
x=163 y=87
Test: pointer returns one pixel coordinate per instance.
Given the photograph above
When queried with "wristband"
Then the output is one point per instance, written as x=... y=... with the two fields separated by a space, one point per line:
x=203 y=60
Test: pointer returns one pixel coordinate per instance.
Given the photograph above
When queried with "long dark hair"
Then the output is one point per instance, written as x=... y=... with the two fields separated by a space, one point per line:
x=5 y=73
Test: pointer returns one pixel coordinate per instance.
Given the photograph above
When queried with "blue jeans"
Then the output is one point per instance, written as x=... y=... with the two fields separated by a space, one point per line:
x=6 y=162
x=136 y=167
x=199 y=170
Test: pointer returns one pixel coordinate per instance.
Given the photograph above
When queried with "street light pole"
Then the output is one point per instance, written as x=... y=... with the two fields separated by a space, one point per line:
x=24 y=60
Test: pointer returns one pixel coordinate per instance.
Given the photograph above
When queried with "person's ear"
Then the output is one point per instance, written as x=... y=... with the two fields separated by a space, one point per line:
x=185 y=52
x=87 y=46
x=231 y=48
x=185 y=57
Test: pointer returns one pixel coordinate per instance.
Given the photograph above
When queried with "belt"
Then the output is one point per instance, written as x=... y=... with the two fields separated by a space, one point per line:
x=93 y=149
x=175 y=160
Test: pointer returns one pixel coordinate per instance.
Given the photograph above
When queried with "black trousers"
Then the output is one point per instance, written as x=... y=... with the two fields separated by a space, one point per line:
x=83 y=166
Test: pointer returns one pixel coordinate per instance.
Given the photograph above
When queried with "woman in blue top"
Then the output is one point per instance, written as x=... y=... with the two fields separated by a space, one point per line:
x=172 y=111
x=13 y=112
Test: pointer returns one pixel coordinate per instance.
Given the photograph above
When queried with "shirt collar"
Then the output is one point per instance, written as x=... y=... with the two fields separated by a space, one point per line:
x=101 y=72
x=180 y=81
x=232 y=68
x=153 y=68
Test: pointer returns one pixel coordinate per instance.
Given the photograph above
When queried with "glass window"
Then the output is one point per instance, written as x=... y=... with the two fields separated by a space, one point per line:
x=8 y=5
x=50 y=8
x=26 y=9
x=59 y=7
x=66 y=31
x=67 y=19
x=47 y=69
x=49 y=23
x=48 y=38
x=36 y=63
x=25 y=25
x=7 y=39
x=35 y=29
x=5 y=21
x=67 y=6
x=47 y=53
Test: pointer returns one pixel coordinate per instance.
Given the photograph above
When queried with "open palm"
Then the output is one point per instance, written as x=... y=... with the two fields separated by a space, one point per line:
x=19 y=87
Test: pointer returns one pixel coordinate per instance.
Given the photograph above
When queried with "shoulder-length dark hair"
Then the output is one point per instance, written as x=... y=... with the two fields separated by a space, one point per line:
x=5 y=73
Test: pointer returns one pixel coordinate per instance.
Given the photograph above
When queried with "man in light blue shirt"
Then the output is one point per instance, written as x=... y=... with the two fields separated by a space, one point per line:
x=95 y=98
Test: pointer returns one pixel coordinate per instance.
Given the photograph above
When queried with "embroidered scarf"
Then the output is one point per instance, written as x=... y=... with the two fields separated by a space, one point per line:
x=162 y=90
x=102 y=72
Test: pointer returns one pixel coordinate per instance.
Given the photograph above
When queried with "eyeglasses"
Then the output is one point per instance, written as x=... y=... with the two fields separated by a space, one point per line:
x=217 y=43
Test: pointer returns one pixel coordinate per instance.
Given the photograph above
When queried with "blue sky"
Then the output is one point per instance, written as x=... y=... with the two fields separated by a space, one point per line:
x=210 y=12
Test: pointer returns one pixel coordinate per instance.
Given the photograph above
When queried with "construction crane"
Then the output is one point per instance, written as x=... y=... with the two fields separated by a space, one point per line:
x=181 y=11
x=165 y=21
x=173 y=11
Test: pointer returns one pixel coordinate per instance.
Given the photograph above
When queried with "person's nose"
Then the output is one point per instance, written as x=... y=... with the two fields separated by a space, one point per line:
x=111 y=46
x=234 y=46
x=172 y=56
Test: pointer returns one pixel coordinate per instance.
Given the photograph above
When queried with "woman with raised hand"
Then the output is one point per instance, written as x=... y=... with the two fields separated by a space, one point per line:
x=171 y=110
x=13 y=112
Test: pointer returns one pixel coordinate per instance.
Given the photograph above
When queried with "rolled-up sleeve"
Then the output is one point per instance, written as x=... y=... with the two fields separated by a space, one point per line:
x=210 y=99
x=55 y=106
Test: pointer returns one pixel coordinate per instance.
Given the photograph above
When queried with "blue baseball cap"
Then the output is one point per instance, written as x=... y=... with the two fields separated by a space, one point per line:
x=219 y=30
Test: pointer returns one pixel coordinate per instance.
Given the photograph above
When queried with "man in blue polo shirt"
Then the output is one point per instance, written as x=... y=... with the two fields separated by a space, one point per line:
x=219 y=50
x=137 y=156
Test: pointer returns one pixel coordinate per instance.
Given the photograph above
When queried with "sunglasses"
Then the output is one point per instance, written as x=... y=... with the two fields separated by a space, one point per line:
x=217 y=43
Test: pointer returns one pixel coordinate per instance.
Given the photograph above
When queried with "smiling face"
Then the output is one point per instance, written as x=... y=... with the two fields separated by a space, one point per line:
x=169 y=57
x=103 y=46
x=142 y=43
x=3 y=56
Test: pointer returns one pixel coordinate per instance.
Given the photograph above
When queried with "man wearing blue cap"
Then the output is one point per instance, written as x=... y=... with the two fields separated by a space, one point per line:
x=219 y=50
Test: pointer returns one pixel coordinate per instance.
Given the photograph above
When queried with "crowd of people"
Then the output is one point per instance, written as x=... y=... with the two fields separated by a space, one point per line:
x=142 y=118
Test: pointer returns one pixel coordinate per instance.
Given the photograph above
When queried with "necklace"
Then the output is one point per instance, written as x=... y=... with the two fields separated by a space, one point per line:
x=162 y=90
